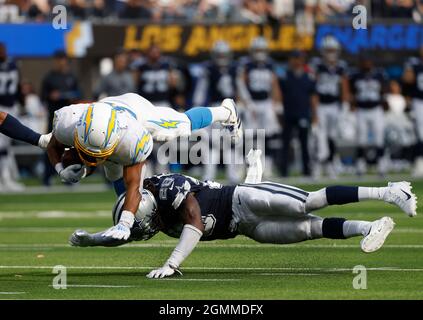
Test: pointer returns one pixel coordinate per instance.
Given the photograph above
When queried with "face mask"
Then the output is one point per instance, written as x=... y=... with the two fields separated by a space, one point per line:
x=331 y=56
x=222 y=61
x=260 y=56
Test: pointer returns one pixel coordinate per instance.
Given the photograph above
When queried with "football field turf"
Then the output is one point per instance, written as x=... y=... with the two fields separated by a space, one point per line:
x=34 y=230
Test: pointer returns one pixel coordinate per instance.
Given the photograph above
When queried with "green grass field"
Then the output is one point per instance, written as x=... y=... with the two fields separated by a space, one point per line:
x=33 y=239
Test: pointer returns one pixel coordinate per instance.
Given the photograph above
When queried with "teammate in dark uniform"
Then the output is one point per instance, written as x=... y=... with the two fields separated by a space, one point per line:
x=261 y=94
x=155 y=78
x=413 y=78
x=218 y=80
x=332 y=88
x=9 y=84
x=267 y=212
x=9 y=125
x=368 y=86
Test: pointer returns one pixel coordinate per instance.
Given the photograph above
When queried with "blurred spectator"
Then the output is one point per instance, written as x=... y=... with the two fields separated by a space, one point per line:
x=335 y=9
x=98 y=9
x=282 y=9
x=59 y=89
x=255 y=11
x=136 y=9
x=300 y=106
x=305 y=12
x=77 y=9
x=400 y=8
x=135 y=59
x=117 y=82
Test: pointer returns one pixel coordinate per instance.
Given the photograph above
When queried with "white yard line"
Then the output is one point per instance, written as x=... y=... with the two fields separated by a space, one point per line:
x=17 y=292
x=199 y=280
x=96 y=286
x=54 y=214
x=215 y=268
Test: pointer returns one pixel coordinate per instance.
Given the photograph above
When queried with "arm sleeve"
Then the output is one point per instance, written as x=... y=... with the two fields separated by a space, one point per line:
x=189 y=239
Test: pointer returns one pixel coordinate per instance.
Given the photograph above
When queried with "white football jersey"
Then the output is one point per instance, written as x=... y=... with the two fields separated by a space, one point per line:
x=162 y=122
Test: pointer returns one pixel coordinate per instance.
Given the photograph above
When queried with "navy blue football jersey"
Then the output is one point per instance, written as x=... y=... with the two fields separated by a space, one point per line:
x=153 y=82
x=214 y=199
x=416 y=65
x=9 y=82
x=368 y=88
x=259 y=78
x=328 y=79
x=221 y=82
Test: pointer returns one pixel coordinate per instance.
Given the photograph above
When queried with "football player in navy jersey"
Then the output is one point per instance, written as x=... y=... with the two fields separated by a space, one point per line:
x=218 y=80
x=332 y=88
x=193 y=211
x=10 y=127
x=413 y=77
x=156 y=78
x=261 y=94
x=368 y=86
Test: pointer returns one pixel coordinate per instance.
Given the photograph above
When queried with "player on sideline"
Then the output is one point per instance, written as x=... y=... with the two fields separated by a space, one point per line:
x=118 y=131
x=191 y=210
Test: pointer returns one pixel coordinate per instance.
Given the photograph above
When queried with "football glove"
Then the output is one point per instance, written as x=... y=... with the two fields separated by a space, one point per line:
x=73 y=173
x=165 y=271
x=80 y=238
x=122 y=230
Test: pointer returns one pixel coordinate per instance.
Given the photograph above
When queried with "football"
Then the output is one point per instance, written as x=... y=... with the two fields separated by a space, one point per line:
x=70 y=156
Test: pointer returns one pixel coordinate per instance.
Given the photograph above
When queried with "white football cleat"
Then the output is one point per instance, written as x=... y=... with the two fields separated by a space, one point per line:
x=400 y=194
x=233 y=124
x=377 y=235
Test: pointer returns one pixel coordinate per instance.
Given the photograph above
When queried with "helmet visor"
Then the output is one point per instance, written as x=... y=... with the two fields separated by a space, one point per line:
x=89 y=158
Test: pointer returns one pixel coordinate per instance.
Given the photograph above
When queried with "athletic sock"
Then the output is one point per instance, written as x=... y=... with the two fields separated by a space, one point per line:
x=365 y=193
x=341 y=195
x=353 y=228
x=14 y=129
x=219 y=114
x=332 y=228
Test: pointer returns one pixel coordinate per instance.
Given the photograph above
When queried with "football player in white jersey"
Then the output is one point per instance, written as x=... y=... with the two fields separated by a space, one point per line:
x=118 y=132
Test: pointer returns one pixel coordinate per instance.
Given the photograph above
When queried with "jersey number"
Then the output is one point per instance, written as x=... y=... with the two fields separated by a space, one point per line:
x=225 y=86
x=155 y=81
x=260 y=80
x=8 y=82
x=209 y=222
